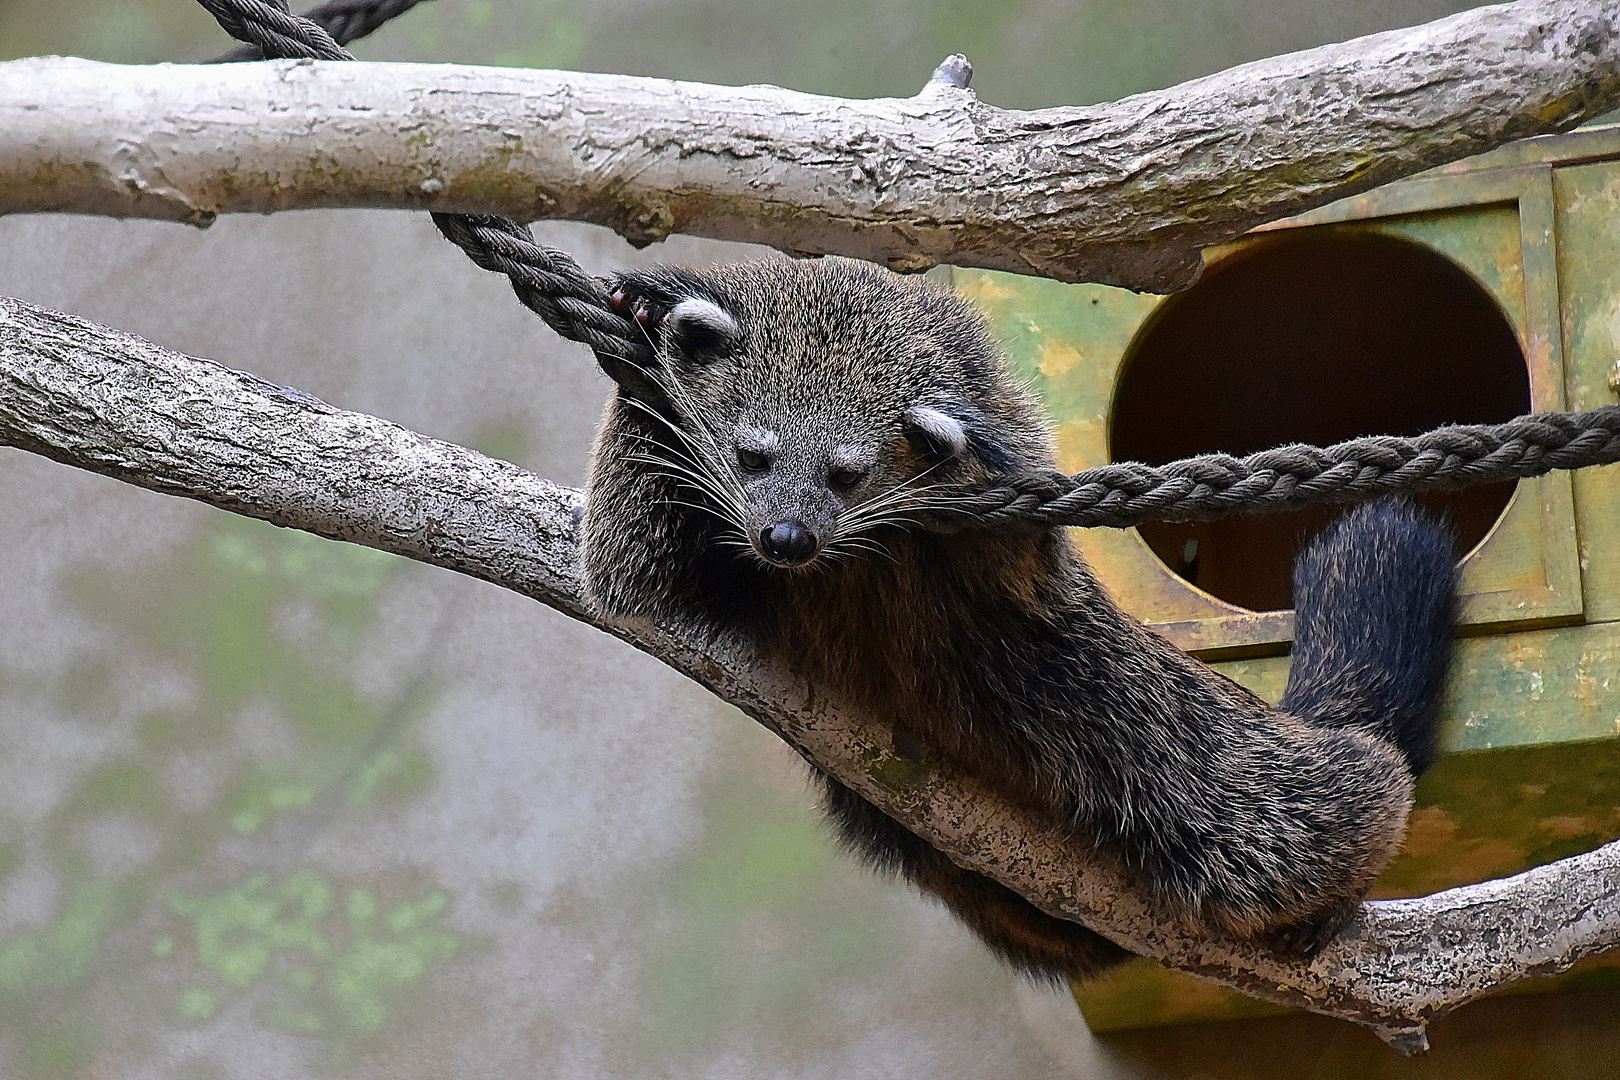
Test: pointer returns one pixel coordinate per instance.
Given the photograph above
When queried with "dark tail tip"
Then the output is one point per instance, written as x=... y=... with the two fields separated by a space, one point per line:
x=1375 y=599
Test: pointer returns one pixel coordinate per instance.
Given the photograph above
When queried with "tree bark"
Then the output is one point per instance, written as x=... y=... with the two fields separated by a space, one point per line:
x=115 y=404
x=1126 y=193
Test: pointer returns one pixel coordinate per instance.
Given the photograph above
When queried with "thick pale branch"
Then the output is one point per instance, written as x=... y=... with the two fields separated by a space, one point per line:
x=1126 y=193
x=115 y=404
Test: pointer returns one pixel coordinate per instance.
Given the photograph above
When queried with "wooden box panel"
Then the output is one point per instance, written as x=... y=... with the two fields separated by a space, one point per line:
x=1531 y=769
x=1073 y=341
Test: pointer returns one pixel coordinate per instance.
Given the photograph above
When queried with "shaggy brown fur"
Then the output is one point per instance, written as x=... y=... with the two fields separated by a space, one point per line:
x=808 y=407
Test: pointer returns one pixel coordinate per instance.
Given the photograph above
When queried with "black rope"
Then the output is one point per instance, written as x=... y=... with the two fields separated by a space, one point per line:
x=268 y=26
x=578 y=306
x=343 y=20
x=547 y=281
x=552 y=285
x=1203 y=488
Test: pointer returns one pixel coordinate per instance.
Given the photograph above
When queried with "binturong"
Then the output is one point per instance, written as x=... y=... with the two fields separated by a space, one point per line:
x=805 y=411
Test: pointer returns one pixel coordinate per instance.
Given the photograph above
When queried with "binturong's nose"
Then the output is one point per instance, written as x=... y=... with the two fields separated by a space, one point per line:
x=788 y=543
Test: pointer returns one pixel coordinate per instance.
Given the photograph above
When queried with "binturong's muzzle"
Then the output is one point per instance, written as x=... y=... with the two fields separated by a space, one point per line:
x=788 y=543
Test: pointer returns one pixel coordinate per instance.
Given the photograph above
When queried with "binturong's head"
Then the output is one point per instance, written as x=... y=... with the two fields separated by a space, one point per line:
x=813 y=403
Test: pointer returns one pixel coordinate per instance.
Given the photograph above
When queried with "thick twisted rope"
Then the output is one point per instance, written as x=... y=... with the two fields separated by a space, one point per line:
x=343 y=20
x=547 y=281
x=1210 y=486
x=267 y=26
x=578 y=306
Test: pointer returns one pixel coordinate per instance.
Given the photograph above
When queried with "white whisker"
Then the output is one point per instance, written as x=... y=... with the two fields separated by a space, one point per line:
x=696 y=506
x=851 y=544
x=903 y=496
x=721 y=507
x=889 y=508
x=677 y=471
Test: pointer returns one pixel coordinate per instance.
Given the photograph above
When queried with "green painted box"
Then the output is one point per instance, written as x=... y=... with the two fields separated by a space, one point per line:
x=1472 y=293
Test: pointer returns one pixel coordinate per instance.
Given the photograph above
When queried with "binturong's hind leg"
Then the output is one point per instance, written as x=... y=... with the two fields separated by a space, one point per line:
x=1045 y=948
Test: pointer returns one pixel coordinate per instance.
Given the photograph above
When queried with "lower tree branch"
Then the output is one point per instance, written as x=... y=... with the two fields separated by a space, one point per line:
x=117 y=405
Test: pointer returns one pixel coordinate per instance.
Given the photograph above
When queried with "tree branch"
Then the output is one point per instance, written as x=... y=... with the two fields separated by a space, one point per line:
x=1126 y=193
x=112 y=403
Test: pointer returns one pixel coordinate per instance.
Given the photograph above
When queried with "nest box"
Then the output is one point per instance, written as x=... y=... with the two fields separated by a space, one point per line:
x=1474 y=293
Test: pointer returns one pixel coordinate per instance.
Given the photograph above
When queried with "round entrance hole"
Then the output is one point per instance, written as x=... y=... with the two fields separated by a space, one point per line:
x=1313 y=338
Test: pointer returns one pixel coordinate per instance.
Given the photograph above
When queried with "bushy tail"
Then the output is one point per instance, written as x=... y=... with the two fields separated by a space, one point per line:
x=1374 y=606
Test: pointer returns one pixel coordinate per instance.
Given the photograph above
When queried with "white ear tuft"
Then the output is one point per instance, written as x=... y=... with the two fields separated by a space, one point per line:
x=703 y=321
x=943 y=430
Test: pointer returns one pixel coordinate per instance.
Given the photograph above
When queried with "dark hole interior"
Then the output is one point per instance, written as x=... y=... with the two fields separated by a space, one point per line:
x=1313 y=338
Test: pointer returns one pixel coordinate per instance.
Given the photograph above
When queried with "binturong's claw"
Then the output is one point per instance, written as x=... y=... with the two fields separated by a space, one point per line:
x=1304 y=939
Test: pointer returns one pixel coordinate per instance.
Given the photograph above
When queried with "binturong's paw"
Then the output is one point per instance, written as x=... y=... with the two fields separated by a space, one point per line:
x=1304 y=939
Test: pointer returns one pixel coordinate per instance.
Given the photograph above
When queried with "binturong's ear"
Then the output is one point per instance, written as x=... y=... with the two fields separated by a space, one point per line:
x=958 y=430
x=935 y=435
x=702 y=329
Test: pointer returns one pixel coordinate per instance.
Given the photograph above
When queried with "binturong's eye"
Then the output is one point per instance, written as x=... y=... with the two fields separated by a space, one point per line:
x=846 y=477
x=752 y=460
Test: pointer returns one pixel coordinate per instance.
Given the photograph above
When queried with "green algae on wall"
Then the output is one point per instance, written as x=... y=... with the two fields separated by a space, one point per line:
x=202 y=908
x=323 y=964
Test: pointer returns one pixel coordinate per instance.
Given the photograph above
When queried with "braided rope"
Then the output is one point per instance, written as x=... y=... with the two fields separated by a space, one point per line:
x=547 y=281
x=344 y=20
x=577 y=305
x=275 y=32
x=1203 y=488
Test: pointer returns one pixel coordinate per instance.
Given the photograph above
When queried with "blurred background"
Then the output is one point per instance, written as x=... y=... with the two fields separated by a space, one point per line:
x=272 y=806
